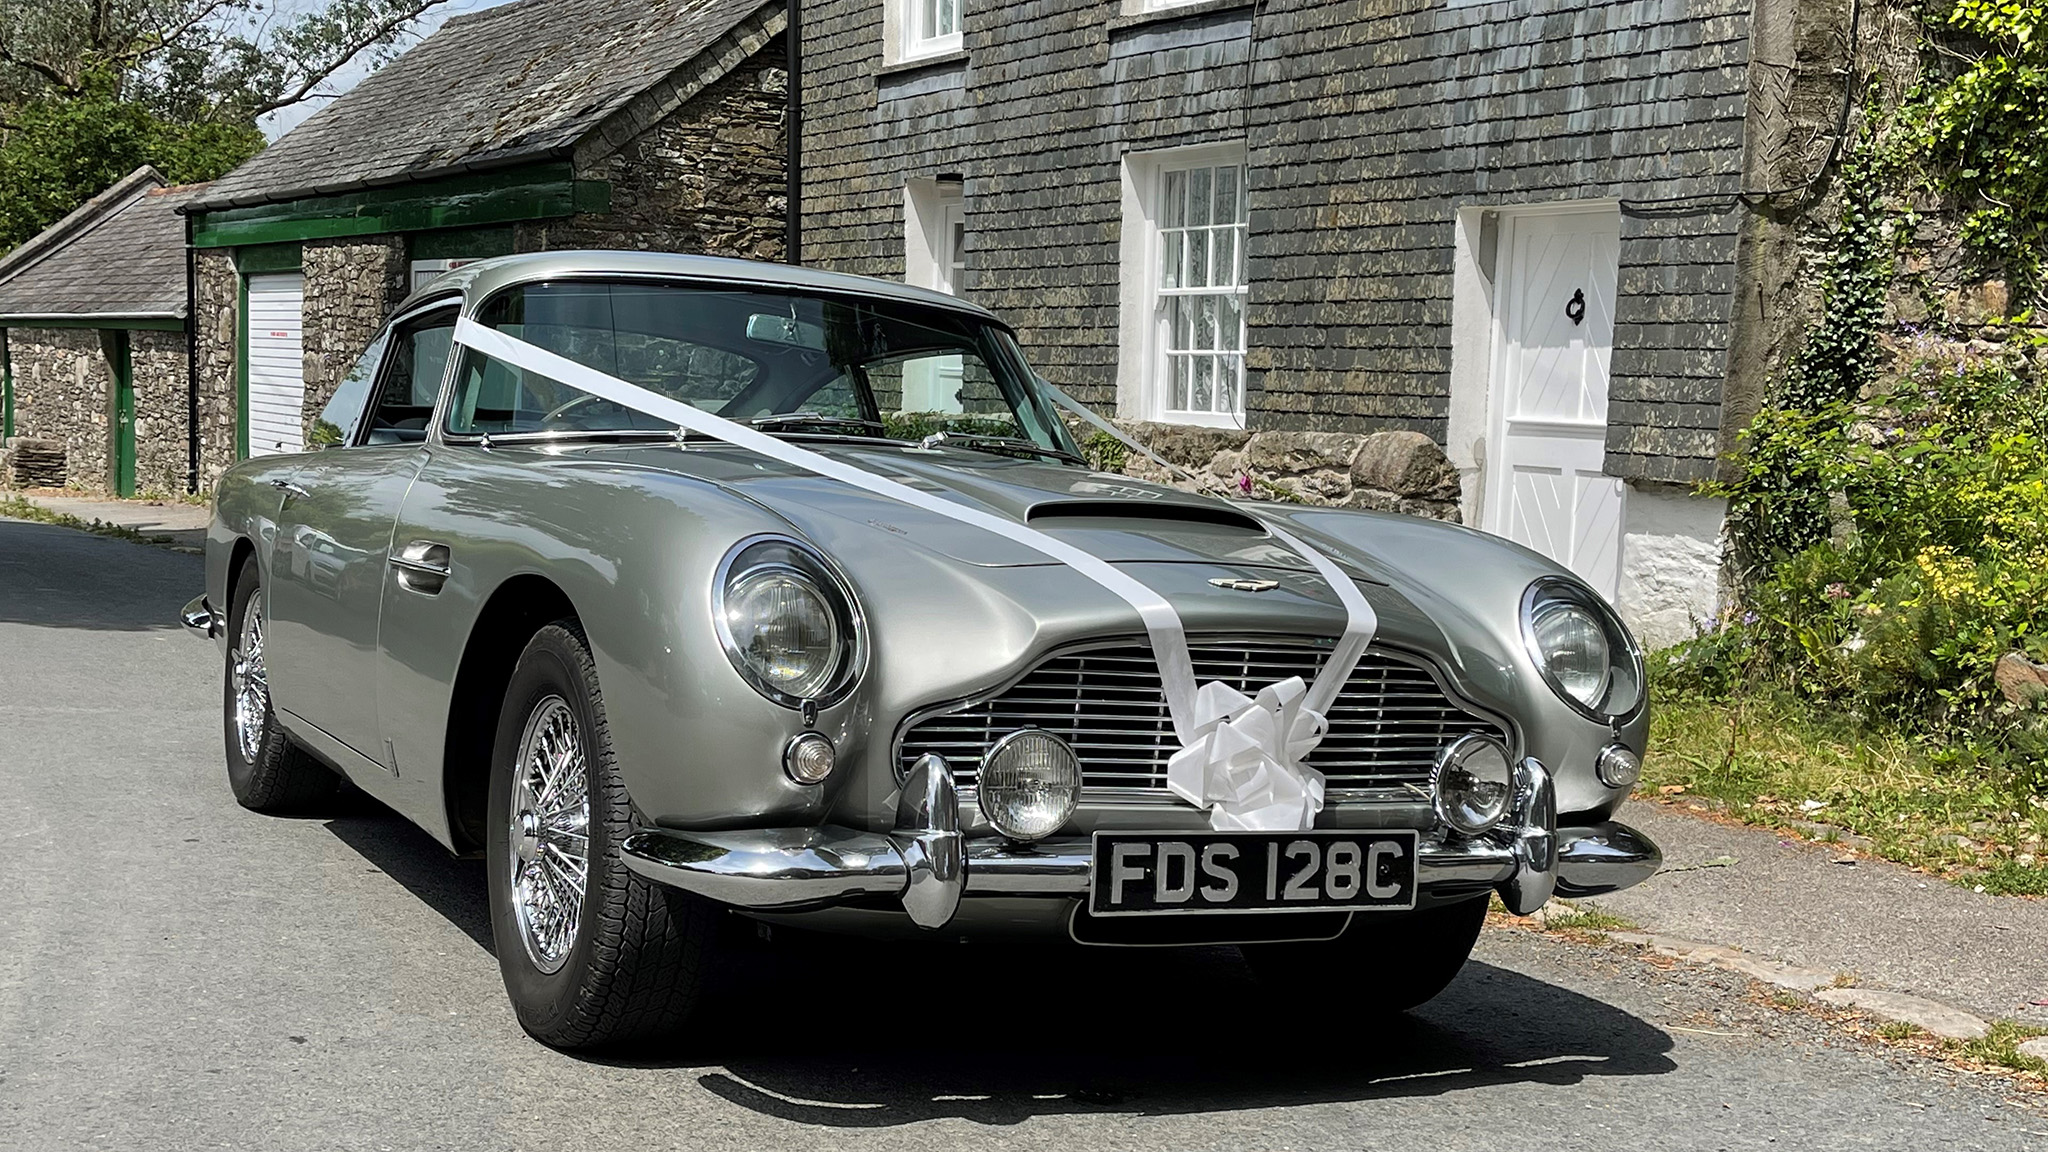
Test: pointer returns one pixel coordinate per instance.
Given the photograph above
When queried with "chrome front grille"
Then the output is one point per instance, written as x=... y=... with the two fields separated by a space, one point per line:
x=1386 y=727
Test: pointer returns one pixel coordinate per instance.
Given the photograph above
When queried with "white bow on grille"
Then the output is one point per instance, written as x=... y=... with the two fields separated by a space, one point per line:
x=1244 y=762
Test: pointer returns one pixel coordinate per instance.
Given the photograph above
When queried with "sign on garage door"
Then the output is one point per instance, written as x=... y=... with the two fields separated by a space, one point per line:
x=277 y=365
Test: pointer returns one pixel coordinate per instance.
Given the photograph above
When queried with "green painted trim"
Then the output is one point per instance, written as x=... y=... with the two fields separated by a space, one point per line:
x=124 y=412
x=463 y=243
x=270 y=258
x=536 y=192
x=133 y=324
x=241 y=367
x=6 y=385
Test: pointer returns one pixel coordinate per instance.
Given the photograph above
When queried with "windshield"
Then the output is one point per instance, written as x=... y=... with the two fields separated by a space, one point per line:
x=788 y=362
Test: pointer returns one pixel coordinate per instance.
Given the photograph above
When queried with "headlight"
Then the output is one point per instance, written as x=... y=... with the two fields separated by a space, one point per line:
x=1473 y=784
x=1028 y=784
x=1585 y=654
x=787 y=622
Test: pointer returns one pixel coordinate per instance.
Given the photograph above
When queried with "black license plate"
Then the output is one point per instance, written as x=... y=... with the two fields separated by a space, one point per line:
x=1142 y=874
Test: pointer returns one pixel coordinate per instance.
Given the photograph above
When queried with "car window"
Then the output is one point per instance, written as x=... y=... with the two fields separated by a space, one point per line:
x=415 y=363
x=832 y=365
x=338 y=421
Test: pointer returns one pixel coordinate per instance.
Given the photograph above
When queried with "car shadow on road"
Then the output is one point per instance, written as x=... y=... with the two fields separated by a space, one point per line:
x=52 y=577
x=865 y=1036
x=397 y=848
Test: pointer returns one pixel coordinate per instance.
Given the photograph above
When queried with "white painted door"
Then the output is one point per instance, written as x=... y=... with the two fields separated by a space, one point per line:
x=1545 y=487
x=277 y=364
x=933 y=384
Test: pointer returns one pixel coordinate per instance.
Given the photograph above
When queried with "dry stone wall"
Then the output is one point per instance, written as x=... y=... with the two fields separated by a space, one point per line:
x=219 y=320
x=1393 y=471
x=351 y=286
x=63 y=393
x=158 y=367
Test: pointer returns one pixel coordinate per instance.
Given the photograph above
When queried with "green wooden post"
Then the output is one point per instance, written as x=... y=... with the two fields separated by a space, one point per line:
x=124 y=412
x=241 y=365
x=6 y=386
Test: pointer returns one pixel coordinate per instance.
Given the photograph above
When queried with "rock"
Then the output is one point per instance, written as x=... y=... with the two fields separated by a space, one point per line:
x=1939 y=1019
x=1186 y=445
x=1405 y=464
x=1300 y=451
x=2020 y=679
x=2036 y=1048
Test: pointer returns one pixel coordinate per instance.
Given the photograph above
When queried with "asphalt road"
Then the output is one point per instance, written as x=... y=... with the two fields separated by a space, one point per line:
x=176 y=973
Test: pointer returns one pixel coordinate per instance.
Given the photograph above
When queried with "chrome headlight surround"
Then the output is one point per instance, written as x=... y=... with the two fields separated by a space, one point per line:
x=769 y=555
x=1621 y=691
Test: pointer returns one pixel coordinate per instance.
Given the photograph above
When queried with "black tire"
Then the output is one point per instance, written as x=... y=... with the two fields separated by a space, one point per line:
x=274 y=776
x=1389 y=962
x=641 y=958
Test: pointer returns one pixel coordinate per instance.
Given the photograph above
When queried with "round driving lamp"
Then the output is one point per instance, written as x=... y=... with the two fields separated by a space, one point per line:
x=1473 y=783
x=808 y=758
x=1029 y=784
x=1618 y=767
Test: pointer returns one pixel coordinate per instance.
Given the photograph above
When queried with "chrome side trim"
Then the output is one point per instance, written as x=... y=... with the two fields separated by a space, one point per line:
x=199 y=618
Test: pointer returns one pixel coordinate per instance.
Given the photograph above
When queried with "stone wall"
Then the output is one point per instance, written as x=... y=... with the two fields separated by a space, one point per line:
x=708 y=177
x=63 y=392
x=1367 y=126
x=352 y=285
x=159 y=368
x=218 y=327
x=1390 y=471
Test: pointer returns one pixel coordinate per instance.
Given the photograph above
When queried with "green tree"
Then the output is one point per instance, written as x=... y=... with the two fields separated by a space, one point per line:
x=91 y=89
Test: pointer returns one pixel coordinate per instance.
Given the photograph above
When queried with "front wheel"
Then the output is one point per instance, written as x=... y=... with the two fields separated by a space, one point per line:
x=266 y=771
x=592 y=953
x=1390 y=962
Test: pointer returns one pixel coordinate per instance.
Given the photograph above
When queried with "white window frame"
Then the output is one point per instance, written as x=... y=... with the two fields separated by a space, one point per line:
x=1144 y=389
x=1141 y=7
x=907 y=36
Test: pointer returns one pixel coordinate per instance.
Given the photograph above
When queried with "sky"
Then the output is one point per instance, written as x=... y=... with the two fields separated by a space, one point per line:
x=285 y=119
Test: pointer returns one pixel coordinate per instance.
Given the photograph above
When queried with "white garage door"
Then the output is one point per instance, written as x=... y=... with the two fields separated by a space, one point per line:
x=277 y=364
x=1546 y=487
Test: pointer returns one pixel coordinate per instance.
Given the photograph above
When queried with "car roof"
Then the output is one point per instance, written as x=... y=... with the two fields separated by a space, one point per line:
x=484 y=277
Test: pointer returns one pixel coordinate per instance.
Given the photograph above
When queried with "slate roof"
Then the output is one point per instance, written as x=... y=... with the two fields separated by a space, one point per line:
x=119 y=256
x=517 y=83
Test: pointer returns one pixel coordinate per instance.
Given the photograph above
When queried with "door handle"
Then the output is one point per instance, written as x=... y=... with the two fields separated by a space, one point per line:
x=289 y=489
x=422 y=566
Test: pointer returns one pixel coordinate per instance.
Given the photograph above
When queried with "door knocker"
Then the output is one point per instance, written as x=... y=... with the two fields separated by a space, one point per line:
x=1576 y=306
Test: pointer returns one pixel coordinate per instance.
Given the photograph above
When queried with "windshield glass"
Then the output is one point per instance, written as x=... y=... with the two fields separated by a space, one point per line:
x=789 y=362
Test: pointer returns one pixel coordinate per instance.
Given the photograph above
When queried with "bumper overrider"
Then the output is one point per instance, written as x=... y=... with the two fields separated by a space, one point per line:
x=929 y=865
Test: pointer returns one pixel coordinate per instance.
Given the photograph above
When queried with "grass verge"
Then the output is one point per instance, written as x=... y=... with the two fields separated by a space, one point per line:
x=20 y=509
x=1773 y=760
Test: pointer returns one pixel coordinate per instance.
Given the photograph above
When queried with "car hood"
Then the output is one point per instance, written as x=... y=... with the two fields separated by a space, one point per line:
x=1119 y=518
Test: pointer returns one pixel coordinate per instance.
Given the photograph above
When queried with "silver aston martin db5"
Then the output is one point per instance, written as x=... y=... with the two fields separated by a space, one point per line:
x=685 y=590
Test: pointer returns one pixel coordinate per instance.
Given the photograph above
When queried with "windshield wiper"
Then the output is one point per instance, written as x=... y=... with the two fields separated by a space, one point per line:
x=998 y=445
x=815 y=420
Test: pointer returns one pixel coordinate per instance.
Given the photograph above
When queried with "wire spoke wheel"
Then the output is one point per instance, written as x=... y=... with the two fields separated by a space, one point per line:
x=251 y=683
x=550 y=833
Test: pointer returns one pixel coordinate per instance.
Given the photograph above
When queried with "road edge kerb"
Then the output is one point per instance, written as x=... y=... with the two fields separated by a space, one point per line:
x=12 y=501
x=1931 y=1016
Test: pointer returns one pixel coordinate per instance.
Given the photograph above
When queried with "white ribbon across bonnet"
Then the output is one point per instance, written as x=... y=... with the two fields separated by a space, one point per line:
x=1240 y=757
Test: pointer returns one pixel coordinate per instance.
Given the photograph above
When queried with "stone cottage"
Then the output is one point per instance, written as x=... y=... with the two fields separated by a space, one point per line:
x=95 y=380
x=538 y=125
x=1537 y=233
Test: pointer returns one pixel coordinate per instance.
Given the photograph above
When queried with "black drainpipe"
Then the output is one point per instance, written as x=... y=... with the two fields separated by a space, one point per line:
x=191 y=362
x=792 y=39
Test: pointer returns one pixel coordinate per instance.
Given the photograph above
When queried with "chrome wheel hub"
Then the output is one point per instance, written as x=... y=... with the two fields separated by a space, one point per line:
x=251 y=683
x=549 y=845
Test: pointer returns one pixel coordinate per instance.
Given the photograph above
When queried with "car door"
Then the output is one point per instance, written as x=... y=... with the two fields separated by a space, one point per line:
x=334 y=535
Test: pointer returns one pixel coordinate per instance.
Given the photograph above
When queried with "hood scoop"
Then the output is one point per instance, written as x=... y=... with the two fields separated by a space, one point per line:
x=1122 y=513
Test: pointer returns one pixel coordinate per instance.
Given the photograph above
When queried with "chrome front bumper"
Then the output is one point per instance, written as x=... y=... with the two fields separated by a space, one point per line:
x=927 y=863
x=199 y=617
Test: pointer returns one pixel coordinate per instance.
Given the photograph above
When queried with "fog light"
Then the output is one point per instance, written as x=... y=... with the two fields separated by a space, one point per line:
x=1028 y=784
x=1618 y=767
x=808 y=758
x=1473 y=784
